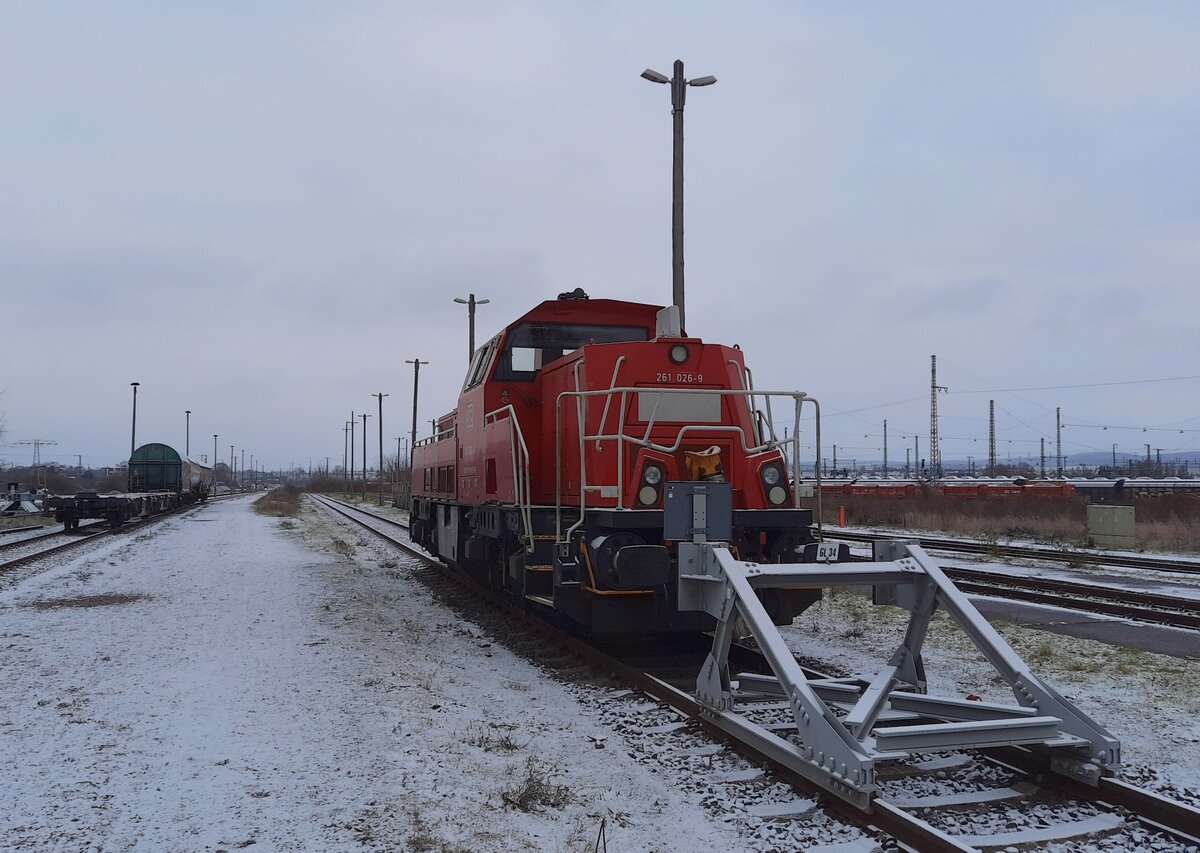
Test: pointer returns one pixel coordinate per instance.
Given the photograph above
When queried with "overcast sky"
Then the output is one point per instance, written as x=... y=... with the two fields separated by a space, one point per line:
x=259 y=211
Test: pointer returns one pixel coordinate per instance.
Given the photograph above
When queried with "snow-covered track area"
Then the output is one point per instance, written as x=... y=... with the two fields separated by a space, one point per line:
x=1179 y=610
x=18 y=558
x=963 y=801
x=21 y=542
x=1071 y=556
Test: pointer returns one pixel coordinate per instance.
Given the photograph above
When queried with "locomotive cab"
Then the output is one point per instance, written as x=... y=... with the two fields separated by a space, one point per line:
x=549 y=478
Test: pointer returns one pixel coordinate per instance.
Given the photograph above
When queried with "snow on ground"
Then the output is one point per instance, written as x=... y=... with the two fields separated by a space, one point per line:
x=228 y=681
x=1150 y=702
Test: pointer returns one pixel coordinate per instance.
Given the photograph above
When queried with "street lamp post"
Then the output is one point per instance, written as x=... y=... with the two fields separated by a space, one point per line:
x=471 y=302
x=232 y=470
x=242 y=479
x=381 y=395
x=132 y=441
x=352 y=416
x=416 y=363
x=364 y=416
x=345 y=457
x=679 y=86
x=187 y=439
x=214 y=461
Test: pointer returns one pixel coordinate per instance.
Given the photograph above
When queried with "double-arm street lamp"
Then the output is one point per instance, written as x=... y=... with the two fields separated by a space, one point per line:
x=471 y=302
x=679 y=85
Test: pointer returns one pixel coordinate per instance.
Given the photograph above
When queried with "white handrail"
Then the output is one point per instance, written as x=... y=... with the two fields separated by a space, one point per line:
x=521 y=483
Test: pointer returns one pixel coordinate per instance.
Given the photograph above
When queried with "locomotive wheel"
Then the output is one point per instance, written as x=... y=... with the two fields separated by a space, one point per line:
x=788 y=548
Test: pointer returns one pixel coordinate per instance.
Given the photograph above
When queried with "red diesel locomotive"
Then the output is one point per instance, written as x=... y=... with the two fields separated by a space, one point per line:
x=548 y=480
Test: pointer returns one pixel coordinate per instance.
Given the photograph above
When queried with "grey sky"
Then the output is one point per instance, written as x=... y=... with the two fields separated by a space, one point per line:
x=259 y=211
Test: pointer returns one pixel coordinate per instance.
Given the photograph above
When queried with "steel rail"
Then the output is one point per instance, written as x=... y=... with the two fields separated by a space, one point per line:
x=1178 y=819
x=49 y=534
x=1159 y=564
x=8 y=530
x=1087 y=598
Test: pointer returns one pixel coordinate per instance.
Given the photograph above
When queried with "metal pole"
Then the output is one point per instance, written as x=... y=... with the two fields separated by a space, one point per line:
x=381 y=395
x=345 y=457
x=396 y=472
x=1058 y=434
x=352 y=416
x=471 y=302
x=232 y=470
x=416 y=363
x=187 y=441
x=885 y=476
x=364 y=416
x=991 y=438
x=678 y=97
x=679 y=85
x=132 y=441
x=242 y=481
x=214 y=485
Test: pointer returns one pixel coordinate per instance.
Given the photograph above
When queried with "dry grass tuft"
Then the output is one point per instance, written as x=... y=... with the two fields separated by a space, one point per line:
x=537 y=791
x=279 y=502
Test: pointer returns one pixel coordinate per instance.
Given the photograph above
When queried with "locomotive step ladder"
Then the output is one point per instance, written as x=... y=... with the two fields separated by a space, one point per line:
x=834 y=731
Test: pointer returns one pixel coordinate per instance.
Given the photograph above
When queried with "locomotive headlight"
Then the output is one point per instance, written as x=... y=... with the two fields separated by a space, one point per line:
x=647 y=495
x=777 y=495
x=652 y=475
x=770 y=475
x=679 y=353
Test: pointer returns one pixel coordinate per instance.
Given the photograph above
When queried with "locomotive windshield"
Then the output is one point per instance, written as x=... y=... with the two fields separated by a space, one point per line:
x=532 y=345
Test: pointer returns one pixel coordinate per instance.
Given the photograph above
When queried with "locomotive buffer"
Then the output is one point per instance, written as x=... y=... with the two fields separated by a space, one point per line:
x=843 y=727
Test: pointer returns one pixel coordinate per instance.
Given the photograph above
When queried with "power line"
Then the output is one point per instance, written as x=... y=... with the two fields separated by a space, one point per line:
x=1084 y=385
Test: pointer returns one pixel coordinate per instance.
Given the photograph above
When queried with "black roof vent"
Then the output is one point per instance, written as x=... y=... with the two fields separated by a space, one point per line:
x=577 y=293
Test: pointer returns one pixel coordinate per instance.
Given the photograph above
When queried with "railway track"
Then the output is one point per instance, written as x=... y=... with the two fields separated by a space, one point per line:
x=1154 y=608
x=10 y=530
x=990 y=799
x=46 y=533
x=66 y=540
x=1074 y=558
x=1176 y=611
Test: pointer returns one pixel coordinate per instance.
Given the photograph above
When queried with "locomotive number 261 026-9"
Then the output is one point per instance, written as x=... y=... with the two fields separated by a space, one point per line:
x=680 y=377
